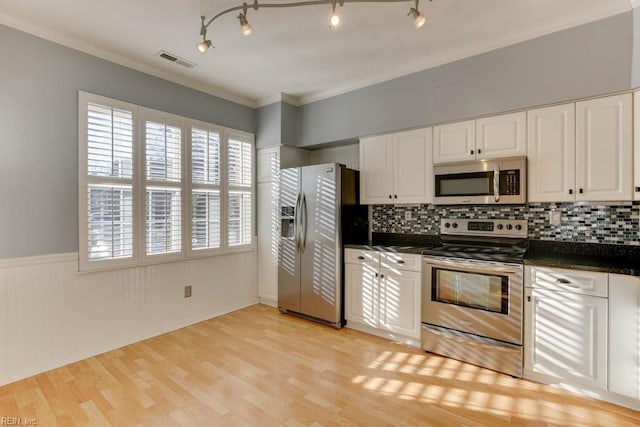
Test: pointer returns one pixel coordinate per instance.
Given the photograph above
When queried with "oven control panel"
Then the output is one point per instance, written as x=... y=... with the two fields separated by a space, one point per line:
x=484 y=227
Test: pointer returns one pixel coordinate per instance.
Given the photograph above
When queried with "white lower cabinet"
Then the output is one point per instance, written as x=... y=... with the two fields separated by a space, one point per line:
x=382 y=291
x=566 y=326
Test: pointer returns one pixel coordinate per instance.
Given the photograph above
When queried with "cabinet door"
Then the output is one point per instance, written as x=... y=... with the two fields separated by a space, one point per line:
x=454 y=142
x=268 y=228
x=566 y=337
x=400 y=302
x=502 y=136
x=376 y=170
x=361 y=294
x=413 y=166
x=551 y=154
x=624 y=335
x=636 y=143
x=604 y=160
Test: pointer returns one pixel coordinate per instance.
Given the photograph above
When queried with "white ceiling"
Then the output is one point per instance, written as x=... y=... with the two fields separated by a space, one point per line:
x=292 y=50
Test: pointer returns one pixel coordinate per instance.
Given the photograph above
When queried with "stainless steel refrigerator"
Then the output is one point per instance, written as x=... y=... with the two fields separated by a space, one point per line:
x=319 y=213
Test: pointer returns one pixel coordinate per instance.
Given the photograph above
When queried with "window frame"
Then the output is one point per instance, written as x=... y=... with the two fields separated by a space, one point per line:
x=140 y=115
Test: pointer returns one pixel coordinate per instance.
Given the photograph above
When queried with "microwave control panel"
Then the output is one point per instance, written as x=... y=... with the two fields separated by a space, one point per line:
x=510 y=182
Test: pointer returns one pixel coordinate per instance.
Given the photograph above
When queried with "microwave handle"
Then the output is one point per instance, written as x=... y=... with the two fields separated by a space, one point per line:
x=496 y=182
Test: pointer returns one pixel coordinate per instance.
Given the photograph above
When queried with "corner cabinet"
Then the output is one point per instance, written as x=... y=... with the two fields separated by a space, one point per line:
x=397 y=168
x=624 y=335
x=566 y=326
x=491 y=137
x=581 y=151
x=382 y=292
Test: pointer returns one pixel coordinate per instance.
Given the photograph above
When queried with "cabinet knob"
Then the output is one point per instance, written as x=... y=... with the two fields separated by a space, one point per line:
x=390 y=196
x=471 y=151
x=479 y=151
x=637 y=189
x=581 y=191
x=395 y=196
x=571 y=191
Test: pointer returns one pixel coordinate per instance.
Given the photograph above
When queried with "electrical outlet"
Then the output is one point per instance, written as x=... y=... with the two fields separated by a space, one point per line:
x=555 y=218
x=187 y=291
x=407 y=215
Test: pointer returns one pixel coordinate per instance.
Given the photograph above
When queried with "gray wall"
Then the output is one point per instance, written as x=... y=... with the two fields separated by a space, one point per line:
x=289 y=124
x=635 y=78
x=588 y=60
x=39 y=83
x=268 y=125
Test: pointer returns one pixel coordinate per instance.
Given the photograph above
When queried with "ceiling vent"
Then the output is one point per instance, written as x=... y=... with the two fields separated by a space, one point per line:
x=175 y=59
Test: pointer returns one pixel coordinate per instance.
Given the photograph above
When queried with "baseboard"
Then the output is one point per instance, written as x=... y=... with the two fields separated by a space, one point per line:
x=591 y=392
x=268 y=301
x=383 y=334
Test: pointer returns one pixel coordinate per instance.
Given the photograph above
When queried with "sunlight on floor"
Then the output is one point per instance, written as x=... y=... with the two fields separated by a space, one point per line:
x=475 y=389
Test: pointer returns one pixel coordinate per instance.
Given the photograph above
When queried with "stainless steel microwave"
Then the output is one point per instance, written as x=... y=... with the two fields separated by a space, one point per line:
x=481 y=182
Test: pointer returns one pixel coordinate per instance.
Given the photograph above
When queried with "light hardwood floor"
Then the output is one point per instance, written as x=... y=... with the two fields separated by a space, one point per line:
x=258 y=367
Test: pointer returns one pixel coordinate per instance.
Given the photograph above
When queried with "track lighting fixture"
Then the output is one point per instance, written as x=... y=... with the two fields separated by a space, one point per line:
x=334 y=22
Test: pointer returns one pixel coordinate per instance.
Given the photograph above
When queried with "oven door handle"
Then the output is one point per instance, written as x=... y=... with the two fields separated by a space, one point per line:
x=496 y=182
x=474 y=267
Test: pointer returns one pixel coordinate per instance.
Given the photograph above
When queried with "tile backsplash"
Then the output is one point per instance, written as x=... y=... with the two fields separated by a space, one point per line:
x=581 y=222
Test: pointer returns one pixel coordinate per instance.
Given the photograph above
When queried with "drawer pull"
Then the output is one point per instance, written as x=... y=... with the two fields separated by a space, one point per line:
x=400 y=261
x=360 y=257
x=563 y=281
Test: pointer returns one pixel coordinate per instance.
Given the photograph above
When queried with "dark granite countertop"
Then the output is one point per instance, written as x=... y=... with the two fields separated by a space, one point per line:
x=402 y=243
x=620 y=259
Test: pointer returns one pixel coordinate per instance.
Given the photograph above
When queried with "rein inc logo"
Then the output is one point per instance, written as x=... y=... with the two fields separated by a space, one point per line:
x=18 y=421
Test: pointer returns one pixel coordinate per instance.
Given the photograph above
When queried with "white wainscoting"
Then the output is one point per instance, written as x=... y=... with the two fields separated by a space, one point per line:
x=50 y=315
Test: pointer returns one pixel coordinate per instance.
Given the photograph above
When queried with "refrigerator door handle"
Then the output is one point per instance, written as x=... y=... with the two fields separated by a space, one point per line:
x=296 y=221
x=303 y=222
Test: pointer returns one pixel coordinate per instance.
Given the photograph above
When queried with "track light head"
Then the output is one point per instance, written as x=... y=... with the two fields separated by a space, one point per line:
x=418 y=18
x=204 y=46
x=335 y=20
x=245 y=27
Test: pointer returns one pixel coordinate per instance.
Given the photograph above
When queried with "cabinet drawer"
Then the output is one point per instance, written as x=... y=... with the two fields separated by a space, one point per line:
x=361 y=256
x=399 y=261
x=565 y=280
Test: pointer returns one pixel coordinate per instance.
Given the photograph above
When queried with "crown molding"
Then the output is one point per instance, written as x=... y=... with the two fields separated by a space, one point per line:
x=90 y=49
x=281 y=97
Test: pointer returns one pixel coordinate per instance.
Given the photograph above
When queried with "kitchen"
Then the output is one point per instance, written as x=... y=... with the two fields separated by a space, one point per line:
x=500 y=81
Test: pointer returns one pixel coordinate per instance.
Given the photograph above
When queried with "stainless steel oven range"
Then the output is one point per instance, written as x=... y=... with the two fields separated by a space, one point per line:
x=472 y=293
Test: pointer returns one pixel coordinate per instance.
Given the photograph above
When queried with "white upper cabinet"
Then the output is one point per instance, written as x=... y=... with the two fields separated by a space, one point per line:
x=454 y=142
x=551 y=154
x=604 y=163
x=492 y=137
x=636 y=144
x=581 y=151
x=376 y=169
x=501 y=136
x=397 y=168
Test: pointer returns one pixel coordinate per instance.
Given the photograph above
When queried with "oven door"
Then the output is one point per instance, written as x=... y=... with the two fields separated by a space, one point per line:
x=478 y=297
